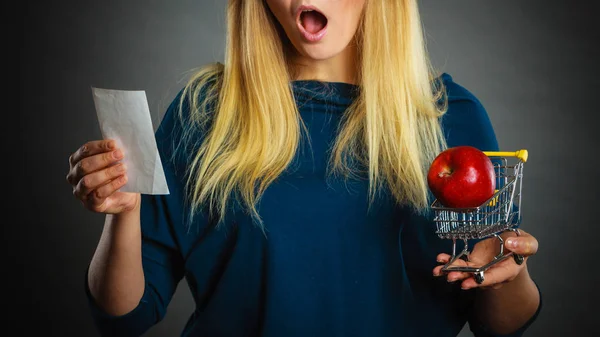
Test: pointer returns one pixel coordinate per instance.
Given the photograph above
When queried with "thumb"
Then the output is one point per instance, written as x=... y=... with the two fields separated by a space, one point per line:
x=523 y=245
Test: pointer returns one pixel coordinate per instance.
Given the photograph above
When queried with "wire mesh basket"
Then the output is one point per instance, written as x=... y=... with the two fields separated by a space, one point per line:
x=500 y=213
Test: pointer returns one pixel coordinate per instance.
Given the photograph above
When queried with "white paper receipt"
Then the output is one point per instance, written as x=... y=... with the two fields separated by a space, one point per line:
x=125 y=117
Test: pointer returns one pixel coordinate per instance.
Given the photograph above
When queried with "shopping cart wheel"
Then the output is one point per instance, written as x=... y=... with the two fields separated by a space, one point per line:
x=479 y=277
x=519 y=259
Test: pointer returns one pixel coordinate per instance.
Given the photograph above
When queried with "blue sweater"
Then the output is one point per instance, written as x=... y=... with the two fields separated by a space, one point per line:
x=328 y=265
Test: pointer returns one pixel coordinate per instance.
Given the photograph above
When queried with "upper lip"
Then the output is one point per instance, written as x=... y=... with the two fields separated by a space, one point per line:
x=307 y=8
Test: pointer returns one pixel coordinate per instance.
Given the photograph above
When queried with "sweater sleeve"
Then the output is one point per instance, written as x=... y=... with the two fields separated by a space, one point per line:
x=480 y=330
x=467 y=123
x=162 y=260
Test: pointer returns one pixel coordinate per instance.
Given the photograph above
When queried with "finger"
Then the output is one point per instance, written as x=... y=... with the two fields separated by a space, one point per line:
x=90 y=149
x=107 y=190
x=92 y=181
x=96 y=204
x=451 y=275
x=98 y=200
x=87 y=150
x=496 y=286
x=458 y=275
x=94 y=163
x=525 y=245
x=443 y=258
x=502 y=272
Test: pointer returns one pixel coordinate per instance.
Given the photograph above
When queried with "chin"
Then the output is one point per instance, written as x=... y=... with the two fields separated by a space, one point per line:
x=318 y=52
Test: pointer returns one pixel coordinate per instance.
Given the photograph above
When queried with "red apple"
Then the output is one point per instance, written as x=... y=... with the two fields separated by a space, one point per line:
x=462 y=177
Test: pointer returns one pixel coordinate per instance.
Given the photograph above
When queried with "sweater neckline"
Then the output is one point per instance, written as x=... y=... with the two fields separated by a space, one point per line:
x=334 y=93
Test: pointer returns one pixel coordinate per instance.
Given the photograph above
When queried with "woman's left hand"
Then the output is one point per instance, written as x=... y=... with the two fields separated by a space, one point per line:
x=485 y=251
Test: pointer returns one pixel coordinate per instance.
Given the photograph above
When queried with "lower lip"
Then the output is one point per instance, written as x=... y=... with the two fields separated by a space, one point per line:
x=310 y=37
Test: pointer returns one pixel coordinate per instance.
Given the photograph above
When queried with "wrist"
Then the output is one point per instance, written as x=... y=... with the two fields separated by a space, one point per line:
x=523 y=277
x=125 y=219
x=521 y=281
x=133 y=210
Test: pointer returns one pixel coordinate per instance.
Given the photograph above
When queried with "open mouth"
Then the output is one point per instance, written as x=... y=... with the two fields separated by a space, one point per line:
x=312 y=23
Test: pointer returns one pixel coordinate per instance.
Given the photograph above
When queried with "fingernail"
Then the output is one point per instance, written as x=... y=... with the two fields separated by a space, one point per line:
x=118 y=154
x=111 y=145
x=511 y=243
x=121 y=168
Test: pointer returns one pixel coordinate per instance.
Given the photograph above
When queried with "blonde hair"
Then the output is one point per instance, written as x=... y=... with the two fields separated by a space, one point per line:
x=392 y=127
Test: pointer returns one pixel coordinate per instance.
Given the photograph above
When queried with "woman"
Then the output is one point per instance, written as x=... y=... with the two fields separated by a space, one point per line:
x=298 y=191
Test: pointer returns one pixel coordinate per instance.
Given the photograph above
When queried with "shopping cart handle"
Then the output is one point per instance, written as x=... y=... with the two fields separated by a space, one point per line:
x=521 y=154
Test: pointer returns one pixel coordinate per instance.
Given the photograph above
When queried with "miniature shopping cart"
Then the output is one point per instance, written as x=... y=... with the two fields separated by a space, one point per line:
x=502 y=212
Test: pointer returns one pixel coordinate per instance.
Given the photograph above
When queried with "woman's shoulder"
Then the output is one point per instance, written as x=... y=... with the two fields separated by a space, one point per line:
x=455 y=91
x=187 y=119
x=195 y=102
x=466 y=121
x=462 y=103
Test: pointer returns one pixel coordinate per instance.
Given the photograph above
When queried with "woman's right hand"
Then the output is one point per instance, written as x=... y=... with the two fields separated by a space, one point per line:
x=96 y=176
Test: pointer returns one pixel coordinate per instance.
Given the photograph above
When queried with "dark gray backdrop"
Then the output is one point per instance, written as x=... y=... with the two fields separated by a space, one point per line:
x=533 y=64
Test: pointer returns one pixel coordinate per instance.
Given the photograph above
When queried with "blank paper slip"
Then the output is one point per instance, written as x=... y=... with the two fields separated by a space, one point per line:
x=125 y=117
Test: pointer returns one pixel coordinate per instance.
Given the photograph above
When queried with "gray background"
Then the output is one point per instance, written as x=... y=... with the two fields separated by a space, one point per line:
x=533 y=64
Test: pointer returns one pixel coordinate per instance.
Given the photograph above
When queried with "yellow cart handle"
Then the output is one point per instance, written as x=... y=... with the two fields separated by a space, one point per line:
x=521 y=154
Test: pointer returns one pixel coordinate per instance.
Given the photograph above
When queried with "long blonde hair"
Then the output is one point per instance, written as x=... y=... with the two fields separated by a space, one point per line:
x=392 y=126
